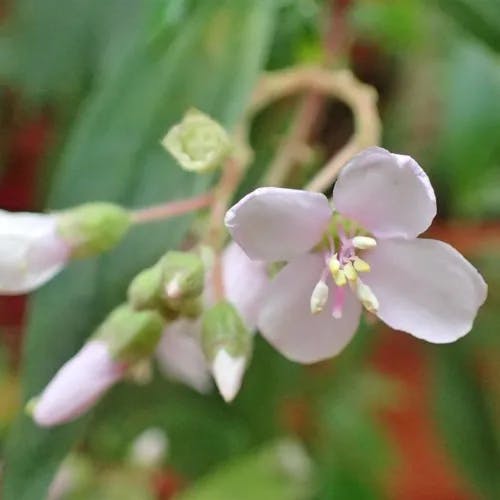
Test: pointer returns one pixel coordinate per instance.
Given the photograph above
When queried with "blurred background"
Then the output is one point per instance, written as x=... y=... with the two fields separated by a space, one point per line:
x=88 y=88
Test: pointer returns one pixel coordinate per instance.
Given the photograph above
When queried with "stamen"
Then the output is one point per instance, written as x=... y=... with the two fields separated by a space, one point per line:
x=364 y=242
x=319 y=297
x=350 y=272
x=367 y=297
x=360 y=265
x=334 y=265
x=340 y=278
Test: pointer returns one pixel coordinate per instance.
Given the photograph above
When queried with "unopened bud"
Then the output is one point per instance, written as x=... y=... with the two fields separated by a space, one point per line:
x=145 y=290
x=78 y=384
x=227 y=345
x=93 y=228
x=183 y=275
x=198 y=143
x=364 y=242
x=319 y=297
x=131 y=335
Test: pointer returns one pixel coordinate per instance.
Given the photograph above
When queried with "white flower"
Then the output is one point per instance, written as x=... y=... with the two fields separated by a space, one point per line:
x=382 y=202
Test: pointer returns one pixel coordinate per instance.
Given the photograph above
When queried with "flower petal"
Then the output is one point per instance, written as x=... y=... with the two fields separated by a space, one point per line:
x=31 y=252
x=286 y=321
x=274 y=224
x=425 y=287
x=388 y=194
x=180 y=356
x=78 y=385
x=244 y=282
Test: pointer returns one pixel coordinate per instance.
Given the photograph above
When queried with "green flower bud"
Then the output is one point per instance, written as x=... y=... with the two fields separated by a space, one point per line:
x=183 y=276
x=227 y=345
x=93 y=228
x=198 y=143
x=223 y=328
x=146 y=289
x=131 y=335
x=191 y=308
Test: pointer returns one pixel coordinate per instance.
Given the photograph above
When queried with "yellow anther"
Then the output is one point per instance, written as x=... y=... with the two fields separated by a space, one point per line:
x=334 y=265
x=364 y=242
x=367 y=297
x=319 y=297
x=350 y=272
x=360 y=265
x=339 y=278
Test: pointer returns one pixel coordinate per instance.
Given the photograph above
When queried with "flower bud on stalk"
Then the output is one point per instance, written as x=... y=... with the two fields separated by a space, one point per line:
x=227 y=345
x=125 y=338
x=198 y=143
x=93 y=228
x=35 y=247
x=173 y=285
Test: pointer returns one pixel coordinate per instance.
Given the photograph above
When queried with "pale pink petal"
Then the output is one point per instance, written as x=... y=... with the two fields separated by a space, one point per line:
x=388 y=194
x=425 y=287
x=275 y=224
x=180 y=356
x=78 y=385
x=244 y=282
x=31 y=252
x=286 y=321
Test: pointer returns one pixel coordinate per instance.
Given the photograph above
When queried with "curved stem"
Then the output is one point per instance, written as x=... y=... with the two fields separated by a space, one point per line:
x=342 y=84
x=171 y=209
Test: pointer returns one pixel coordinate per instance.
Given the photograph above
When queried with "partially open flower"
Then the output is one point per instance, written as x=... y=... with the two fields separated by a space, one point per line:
x=365 y=250
x=126 y=337
x=31 y=251
x=227 y=345
x=35 y=247
x=198 y=143
x=180 y=354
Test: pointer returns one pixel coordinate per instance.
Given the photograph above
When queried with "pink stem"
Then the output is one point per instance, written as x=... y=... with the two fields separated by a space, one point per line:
x=171 y=209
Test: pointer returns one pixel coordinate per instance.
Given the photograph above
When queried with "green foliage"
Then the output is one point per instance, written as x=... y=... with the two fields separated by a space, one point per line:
x=279 y=471
x=481 y=18
x=466 y=420
x=113 y=154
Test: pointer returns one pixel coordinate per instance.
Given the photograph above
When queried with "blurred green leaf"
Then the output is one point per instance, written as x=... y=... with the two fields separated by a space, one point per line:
x=481 y=18
x=113 y=154
x=468 y=146
x=397 y=25
x=466 y=420
x=280 y=471
x=51 y=50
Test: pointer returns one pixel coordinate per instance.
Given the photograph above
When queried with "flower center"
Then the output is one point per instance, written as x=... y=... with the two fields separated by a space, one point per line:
x=344 y=266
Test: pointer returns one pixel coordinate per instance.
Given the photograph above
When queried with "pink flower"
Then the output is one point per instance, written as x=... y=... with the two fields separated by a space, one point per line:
x=179 y=352
x=78 y=385
x=31 y=251
x=365 y=251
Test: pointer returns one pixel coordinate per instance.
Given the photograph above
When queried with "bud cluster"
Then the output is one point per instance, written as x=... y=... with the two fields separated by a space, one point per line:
x=125 y=340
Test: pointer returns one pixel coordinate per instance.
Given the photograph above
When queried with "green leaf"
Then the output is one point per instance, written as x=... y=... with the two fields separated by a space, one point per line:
x=113 y=154
x=280 y=471
x=481 y=18
x=466 y=420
